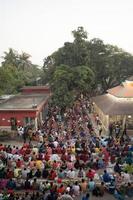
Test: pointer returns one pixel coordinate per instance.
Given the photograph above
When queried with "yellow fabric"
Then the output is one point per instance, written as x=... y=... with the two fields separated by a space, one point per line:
x=16 y=172
x=38 y=164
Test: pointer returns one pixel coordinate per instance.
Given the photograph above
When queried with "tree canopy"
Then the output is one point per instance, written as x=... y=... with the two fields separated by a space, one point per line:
x=85 y=66
x=82 y=66
x=67 y=82
x=16 y=71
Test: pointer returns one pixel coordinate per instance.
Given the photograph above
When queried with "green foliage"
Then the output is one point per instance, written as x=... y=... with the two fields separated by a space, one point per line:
x=79 y=35
x=82 y=66
x=71 y=54
x=109 y=64
x=17 y=71
x=67 y=82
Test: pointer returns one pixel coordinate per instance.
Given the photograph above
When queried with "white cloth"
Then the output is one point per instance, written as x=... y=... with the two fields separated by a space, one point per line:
x=55 y=157
x=71 y=174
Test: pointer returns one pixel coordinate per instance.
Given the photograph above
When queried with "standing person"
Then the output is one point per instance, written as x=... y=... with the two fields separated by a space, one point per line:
x=100 y=129
x=83 y=186
x=97 y=119
x=117 y=130
x=76 y=189
x=25 y=133
x=29 y=132
x=124 y=130
x=110 y=129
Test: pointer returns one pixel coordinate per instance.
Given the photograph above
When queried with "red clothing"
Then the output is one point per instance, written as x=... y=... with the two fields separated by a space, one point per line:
x=9 y=174
x=19 y=163
x=47 y=157
x=25 y=145
x=61 y=190
x=2 y=147
x=28 y=151
x=52 y=175
x=22 y=151
x=90 y=174
x=58 y=150
x=55 y=165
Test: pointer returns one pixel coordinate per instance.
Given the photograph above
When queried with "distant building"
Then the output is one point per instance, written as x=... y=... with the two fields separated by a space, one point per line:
x=116 y=105
x=29 y=107
x=5 y=97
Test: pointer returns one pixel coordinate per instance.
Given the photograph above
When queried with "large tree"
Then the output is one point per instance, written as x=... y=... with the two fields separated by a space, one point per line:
x=18 y=71
x=110 y=64
x=67 y=82
x=71 y=54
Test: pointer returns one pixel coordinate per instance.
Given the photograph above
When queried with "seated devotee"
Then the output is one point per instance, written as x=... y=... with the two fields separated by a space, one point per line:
x=129 y=190
x=118 y=195
x=11 y=184
x=90 y=174
x=117 y=168
x=126 y=177
x=69 y=152
x=106 y=177
x=52 y=174
x=71 y=174
x=27 y=184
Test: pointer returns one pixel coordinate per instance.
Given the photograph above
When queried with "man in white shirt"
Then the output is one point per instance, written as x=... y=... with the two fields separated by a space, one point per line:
x=71 y=174
x=25 y=172
x=76 y=189
x=55 y=144
x=126 y=177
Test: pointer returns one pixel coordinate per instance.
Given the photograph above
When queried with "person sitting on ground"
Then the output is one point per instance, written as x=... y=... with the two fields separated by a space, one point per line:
x=11 y=184
x=106 y=177
x=118 y=195
x=65 y=196
x=71 y=174
x=117 y=168
x=126 y=177
x=35 y=185
x=90 y=174
x=129 y=190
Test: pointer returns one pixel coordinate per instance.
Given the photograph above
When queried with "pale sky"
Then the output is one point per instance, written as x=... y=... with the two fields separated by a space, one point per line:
x=39 y=27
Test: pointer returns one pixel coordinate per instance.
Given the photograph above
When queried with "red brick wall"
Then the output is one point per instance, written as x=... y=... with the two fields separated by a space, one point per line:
x=5 y=116
x=35 y=90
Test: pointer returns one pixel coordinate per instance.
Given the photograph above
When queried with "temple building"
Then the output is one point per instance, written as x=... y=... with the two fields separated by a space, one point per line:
x=116 y=106
x=29 y=107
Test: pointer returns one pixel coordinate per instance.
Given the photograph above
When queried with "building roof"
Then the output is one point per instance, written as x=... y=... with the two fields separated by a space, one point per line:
x=36 y=87
x=111 y=105
x=125 y=90
x=24 y=102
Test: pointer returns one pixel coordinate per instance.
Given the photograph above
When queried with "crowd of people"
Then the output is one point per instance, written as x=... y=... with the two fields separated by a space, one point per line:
x=66 y=159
